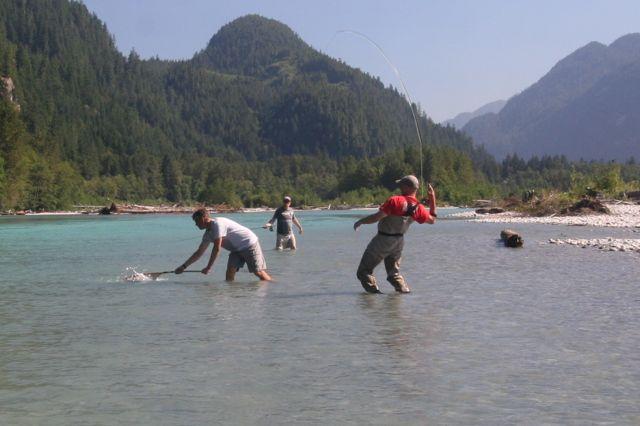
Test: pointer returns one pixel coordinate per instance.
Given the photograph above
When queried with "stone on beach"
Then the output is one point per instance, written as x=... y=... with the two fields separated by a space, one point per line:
x=608 y=244
x=622 y=216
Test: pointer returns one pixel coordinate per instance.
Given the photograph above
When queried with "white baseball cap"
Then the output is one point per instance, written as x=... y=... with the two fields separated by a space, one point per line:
x=409 y=180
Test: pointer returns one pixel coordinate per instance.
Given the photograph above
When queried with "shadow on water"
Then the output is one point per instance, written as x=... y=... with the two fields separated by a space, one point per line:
x=399 y=334
x=386 y=309
x=317 y=294
x=236 y=289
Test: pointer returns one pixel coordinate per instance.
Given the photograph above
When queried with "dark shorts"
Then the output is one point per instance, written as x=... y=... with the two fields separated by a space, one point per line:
x=252 y=256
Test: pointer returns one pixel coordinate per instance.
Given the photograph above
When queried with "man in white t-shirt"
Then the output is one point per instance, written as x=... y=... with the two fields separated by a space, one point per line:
x=239 y=240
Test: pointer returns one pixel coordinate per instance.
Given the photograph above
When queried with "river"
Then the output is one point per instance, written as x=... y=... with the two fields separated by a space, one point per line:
x=489 y=335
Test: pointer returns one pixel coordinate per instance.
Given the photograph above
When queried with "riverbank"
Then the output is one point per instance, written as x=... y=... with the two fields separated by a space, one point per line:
x=606 y=244
x=623 y=215
x=171 y=209
x=123 y=209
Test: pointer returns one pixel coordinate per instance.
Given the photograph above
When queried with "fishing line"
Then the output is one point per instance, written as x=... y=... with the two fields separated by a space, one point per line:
x=404 y=88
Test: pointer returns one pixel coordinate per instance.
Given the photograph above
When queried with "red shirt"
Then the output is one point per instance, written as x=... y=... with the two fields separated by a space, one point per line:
x=397 y=205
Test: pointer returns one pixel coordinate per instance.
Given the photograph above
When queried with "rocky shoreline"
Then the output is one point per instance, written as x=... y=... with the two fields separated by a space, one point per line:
x=606 y=244
x=623 y=215
x=168 y=209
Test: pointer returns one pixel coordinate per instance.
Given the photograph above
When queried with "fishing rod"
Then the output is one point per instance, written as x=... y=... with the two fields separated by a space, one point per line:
x=404 y=88
x=154 y=275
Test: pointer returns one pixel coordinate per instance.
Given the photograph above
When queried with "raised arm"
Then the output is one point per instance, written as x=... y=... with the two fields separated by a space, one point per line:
x=194 y=257
x=372 y=218
x=431 y=193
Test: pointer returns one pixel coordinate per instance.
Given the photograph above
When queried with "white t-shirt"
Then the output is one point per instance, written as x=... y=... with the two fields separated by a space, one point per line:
x=235 y=236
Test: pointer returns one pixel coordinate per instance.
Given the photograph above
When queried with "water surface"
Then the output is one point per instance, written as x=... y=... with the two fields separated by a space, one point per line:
x=545 y=334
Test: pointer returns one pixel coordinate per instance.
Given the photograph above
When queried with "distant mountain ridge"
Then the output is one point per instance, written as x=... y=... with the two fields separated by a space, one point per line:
x=587 y=106
x=463 y=118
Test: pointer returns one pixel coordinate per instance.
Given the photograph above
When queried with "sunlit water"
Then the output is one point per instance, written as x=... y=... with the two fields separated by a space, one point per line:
x=544 y=334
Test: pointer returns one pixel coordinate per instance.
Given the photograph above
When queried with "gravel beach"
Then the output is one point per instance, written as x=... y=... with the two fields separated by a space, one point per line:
x=622 y=215
x=607 y=244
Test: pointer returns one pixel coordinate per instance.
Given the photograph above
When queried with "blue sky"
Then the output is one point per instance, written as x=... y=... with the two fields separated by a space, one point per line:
x=453 y=55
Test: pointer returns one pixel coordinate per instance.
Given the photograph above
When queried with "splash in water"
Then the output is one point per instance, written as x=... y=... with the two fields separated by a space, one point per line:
x=131 y=275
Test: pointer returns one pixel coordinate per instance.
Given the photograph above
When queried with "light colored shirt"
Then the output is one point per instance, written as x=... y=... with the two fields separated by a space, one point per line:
x=235 y=237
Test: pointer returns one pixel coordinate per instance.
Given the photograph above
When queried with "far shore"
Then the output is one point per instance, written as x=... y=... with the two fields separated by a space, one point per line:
x=174 y=209
x=623 y=215
x=166 y=209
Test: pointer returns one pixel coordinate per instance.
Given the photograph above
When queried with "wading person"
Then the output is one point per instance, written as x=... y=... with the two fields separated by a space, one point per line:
x=239 y=240
x=394 y=218
x=286 y=218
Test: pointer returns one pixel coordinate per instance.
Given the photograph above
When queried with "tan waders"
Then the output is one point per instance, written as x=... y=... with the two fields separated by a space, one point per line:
x=386 y=246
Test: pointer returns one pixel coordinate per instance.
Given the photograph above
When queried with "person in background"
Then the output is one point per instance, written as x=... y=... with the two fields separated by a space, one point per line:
x=286 y=218
x=239 y=240
x=394 y=218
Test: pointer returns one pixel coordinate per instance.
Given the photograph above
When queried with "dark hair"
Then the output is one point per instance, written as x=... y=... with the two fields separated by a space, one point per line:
x=200 y=213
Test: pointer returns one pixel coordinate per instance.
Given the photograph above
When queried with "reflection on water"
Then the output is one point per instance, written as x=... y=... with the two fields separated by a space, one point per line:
x=545 y=334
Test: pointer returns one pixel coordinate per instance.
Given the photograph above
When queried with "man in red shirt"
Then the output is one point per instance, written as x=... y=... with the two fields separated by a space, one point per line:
x=394 y=218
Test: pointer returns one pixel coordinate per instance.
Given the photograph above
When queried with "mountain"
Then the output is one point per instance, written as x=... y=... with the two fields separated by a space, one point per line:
x=309 y=103
x=252 y=46
x=255 y=112
x=463 y=118
x=587 y=106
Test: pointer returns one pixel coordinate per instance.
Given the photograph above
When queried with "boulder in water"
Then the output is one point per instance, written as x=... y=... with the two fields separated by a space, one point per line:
x=511 y=238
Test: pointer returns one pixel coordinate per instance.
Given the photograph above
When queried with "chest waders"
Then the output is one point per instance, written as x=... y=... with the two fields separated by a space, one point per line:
x=386 y=246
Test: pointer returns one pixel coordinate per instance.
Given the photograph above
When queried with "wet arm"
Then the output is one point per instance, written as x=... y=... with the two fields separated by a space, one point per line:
x=194 y=257
x=217 y=244
x=297 y=223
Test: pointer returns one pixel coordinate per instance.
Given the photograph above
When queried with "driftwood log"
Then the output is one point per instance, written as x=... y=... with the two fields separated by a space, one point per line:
x=493 y=210
x=511 y=238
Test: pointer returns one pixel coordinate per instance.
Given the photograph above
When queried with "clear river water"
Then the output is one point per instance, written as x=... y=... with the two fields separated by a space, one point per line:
x=545 y=334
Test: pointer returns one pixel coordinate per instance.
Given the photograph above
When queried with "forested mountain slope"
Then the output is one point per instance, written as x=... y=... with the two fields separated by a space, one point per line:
x=85 y=122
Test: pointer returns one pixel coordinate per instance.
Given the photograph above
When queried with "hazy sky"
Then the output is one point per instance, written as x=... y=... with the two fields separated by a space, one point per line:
x=453 y=55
